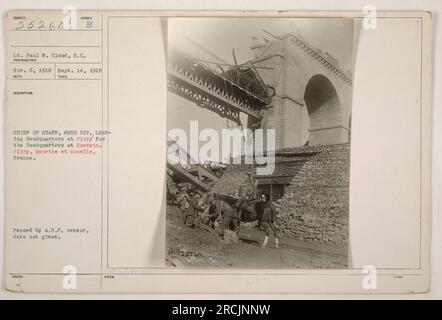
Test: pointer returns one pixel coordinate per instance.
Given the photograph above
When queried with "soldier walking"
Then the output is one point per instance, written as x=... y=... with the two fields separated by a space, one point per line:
x=268 y=223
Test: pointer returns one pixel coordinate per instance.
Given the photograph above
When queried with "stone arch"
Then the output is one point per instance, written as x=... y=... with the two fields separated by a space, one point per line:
x=324 y=112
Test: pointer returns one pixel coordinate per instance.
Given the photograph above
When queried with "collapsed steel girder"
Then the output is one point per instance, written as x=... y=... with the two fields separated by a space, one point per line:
x=202 y=98
x=188 y=177
x=226 y=93
x=194 y=173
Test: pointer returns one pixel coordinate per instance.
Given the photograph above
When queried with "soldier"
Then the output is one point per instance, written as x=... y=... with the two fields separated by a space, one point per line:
x=259 y=207
x=242 y=205
x=193 y=210
x=268 y=222
x=183 y=201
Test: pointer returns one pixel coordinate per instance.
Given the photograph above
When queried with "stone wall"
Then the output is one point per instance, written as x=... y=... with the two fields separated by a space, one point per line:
x=315 y=204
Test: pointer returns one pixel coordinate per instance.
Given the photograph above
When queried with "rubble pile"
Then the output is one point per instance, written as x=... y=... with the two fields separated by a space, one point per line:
x=315 y=204
x=236 y=177
x=230 y=236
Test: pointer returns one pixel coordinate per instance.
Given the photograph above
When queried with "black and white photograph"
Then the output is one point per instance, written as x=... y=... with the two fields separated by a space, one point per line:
x=258 y=145
x=221 y=153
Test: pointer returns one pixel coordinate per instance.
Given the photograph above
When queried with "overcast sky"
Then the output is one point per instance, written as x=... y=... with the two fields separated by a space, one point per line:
x=220 y=35
x=214 y=39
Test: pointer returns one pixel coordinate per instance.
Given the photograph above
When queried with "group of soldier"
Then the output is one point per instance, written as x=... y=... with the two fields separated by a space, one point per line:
x=209 y=212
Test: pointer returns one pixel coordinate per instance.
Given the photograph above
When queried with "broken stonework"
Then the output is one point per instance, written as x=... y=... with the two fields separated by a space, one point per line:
x=315 y=204
x=236 y=179
x=230 y=236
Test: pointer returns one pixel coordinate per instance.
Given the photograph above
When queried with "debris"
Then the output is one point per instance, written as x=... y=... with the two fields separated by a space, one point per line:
x=230 y=236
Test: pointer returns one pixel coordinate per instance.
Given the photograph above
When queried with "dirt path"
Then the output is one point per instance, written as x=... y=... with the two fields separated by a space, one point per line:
x=189 y=247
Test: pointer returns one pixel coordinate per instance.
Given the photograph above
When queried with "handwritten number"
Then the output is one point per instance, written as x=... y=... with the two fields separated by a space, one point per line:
x=21 y=25
x=31 y=24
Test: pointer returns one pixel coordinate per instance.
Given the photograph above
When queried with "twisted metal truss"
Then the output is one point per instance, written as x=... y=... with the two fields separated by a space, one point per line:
x=227 y=93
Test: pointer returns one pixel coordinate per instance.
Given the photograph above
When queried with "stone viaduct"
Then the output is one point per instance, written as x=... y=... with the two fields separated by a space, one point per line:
x=313 y=95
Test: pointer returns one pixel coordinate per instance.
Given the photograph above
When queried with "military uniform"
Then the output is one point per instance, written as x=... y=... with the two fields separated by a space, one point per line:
x=269 y=219
x=183 y=201
x=259 y=209
x=268 y=223
x=192 y=211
